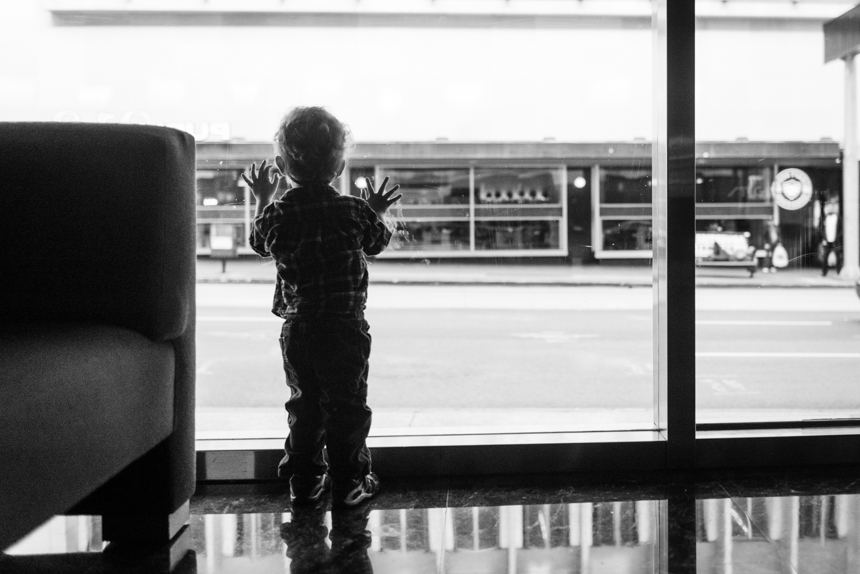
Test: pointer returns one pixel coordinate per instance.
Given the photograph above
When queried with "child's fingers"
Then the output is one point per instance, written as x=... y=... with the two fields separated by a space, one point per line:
x=391 y=192
x=394 y=199
x=248 y=181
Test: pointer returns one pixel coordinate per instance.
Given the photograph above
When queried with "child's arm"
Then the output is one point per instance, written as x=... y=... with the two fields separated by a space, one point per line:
x=264 y=184
x=381 y=200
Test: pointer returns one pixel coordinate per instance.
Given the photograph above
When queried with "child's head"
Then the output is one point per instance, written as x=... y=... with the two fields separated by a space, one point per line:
x=311 y=145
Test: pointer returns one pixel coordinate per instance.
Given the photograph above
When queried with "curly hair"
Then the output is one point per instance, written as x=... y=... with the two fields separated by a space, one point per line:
x=313 y=143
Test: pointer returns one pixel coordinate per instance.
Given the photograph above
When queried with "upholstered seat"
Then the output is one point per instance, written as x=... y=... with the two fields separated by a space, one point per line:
x=97 y=261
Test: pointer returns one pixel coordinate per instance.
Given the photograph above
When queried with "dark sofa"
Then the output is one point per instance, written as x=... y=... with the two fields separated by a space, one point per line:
x=97 y=313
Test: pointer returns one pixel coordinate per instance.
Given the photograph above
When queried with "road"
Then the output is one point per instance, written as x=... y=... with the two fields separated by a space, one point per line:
x=528 y=352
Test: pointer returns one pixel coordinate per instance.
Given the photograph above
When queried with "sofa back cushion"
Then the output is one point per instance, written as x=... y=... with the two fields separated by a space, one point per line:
x=97 y=224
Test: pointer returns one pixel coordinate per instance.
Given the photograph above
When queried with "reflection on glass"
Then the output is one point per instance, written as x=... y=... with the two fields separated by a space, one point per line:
x=517 y=235
x=430 y=186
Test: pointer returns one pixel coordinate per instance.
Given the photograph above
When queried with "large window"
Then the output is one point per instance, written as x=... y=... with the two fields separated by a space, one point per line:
x=524 y=180
x=766 y=355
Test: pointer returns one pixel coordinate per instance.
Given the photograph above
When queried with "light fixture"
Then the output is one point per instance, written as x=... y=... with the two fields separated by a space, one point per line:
x=579 y=182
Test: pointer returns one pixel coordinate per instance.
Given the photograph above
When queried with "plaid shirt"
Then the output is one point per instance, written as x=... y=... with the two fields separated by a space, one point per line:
x=319 y=240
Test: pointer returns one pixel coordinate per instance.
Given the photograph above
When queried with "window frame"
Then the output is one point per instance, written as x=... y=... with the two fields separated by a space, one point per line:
x=674 y=443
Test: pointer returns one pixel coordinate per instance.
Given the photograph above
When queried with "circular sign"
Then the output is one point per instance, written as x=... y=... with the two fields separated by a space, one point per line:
x=792 y=189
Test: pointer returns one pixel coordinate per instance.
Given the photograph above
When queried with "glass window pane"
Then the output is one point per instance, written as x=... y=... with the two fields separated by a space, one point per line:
x=777 y=317
x=509 y=167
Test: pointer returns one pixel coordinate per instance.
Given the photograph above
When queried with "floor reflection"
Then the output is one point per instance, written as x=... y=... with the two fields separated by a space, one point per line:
x=818 y=534
x=613 y=537
x=814 y=534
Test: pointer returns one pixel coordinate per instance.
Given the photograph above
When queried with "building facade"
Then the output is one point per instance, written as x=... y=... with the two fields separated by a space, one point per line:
x=516 y=129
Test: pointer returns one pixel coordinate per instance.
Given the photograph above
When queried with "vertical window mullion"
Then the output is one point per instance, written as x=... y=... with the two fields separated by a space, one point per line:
x=674 y=170
x=472 y=208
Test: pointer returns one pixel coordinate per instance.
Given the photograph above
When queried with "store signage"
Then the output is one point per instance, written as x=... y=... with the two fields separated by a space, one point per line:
x=792 y=189
x=202 y=131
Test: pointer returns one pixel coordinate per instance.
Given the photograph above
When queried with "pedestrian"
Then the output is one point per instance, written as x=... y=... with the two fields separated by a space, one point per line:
x=771 y=241
x=320 y=241
x=828 y=227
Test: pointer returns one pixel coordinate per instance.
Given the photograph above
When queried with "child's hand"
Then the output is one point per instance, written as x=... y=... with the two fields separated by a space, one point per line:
x=381 y=200
x=264 y=183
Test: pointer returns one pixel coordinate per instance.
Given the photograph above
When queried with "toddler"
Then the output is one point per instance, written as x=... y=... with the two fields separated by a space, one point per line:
x=320 y=241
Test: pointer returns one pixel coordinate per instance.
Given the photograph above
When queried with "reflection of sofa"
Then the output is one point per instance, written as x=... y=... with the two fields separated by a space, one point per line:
x=97 y=259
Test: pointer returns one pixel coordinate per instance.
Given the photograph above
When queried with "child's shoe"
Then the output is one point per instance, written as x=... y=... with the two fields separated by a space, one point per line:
x=308 y=489
x=356 y=490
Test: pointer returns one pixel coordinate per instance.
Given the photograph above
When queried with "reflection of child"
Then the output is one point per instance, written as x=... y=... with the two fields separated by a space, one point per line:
x=320 y=241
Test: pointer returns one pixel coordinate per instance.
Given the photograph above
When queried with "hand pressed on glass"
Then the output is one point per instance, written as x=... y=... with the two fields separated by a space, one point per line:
x=264 y=184
x=381 y=200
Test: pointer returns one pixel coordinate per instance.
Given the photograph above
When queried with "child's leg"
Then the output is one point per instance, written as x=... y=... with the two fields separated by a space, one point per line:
x=304 y=445
x=343 y=372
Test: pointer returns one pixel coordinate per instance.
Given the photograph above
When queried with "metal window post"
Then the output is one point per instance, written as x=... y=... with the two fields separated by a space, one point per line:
x=850 y=178
x=674 y=217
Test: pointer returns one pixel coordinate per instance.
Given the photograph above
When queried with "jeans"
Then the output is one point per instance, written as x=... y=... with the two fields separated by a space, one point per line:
x=824 y=251
x=325 y=361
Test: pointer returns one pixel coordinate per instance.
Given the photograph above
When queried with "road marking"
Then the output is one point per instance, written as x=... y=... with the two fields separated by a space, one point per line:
x=725 y=386
x=784 y=355
x=205 y=368
x=769 y=323
x=554 y=336
x=228 y=319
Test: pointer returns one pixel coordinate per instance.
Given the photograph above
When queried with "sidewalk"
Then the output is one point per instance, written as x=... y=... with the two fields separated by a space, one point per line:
x=600 y=275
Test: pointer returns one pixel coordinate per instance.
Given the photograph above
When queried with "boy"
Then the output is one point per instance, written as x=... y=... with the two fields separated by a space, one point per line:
x=320 y=241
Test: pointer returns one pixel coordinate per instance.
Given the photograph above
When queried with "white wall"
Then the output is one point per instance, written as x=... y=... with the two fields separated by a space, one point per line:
x=762 y=81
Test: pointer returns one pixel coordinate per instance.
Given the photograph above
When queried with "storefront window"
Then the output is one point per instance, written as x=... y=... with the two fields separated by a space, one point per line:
x=440 y=236
x=733 y=185
x=430 y=186
x=624 y=214
x=625 y=185
x=224 y=212
x=219 y=187
x=517 y=235
x=517 y=186
x=627 y=235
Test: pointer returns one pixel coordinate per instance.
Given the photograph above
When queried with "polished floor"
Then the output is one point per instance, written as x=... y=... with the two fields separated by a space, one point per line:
x=780 y=521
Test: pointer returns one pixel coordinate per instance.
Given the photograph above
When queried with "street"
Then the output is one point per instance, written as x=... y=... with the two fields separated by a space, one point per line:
x=465 y=356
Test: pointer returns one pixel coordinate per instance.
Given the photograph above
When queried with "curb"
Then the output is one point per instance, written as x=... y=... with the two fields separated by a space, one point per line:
x=502 y=283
